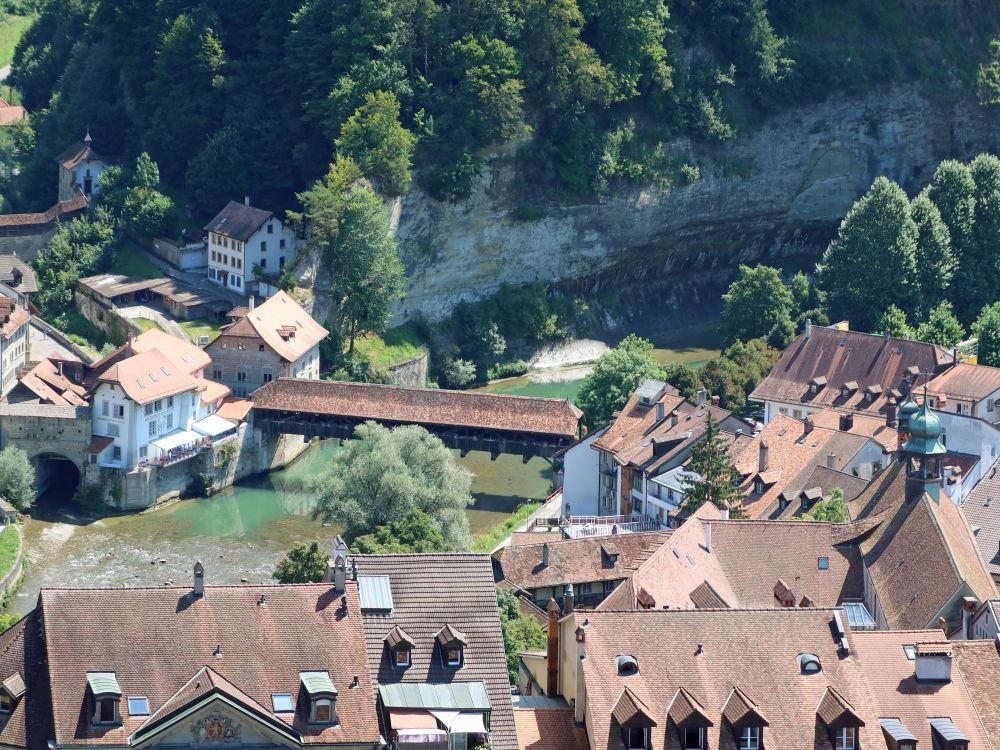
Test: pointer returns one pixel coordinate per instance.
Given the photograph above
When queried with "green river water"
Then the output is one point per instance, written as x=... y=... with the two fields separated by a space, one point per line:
x=241 y=533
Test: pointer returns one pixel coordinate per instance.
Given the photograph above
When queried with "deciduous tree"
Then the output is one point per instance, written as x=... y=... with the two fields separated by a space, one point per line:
x=942 y=327
x=757 y=305
x=375 y=139
x=987 y=330
x=382 y=474
x=304 y=563
x=612 y=381
x=935 y=260
x=17 y=478
x=415 y=532
x=520 y=633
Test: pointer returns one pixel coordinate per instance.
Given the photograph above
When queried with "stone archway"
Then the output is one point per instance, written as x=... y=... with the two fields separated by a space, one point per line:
x=56 y=475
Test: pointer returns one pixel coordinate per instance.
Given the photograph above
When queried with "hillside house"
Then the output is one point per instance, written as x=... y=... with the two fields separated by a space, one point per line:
x=14 y=327
x=243 y=240
x=82 y=166
x=276 y=339
x=152 y=403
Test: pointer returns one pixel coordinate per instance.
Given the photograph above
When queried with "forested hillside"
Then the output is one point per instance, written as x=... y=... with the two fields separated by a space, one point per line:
x=258 y=95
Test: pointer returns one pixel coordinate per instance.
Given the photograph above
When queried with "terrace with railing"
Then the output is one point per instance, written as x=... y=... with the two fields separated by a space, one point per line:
x=581 y=527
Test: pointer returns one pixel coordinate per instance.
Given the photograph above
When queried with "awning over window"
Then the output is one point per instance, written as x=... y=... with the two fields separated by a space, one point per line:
x=462 y=722
x=411 y=719
x=213 y=425
x=454 y=696
x=422 y=739
x=176 y=439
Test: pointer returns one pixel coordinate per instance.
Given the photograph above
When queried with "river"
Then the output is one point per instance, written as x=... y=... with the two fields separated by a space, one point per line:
x=239 y=533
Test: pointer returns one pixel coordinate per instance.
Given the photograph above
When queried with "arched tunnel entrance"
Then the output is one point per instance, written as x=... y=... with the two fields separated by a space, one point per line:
x=56 y=477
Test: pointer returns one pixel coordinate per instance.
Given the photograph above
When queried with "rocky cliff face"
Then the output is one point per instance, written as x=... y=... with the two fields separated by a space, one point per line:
x=775 y=194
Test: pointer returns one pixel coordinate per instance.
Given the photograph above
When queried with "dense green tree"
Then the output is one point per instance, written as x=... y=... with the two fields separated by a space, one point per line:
x=414 y=532
x=520 y=633
x=304 y=563
x=219 y=172
x=17 y=478
x=953 y=191
x=184 y=95
x=43 y=52
x=684 y=378
x=146 y=212
x=942 y=327
x=894 y=322
x=736 y=372
x=833 y=510
x=457 y=373
x=981 y=288
x=871 y=263
x=756 y=305
x=987 y=329
x=988 y=81
x=613 y=380
x=935 y=260
x=716 y=479
x=630 y=36
x=79 y=248
x=381 y=474
x=375 y=139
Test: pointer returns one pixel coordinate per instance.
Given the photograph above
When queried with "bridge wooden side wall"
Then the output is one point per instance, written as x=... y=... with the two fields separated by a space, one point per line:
x=465 y=439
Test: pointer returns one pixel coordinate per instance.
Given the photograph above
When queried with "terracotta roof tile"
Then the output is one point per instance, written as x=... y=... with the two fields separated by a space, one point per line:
x=966 y=381
x=283 y=325
x=17 y=274
x=149 y=376
x=576 y=560
x=982 y=509
x=708 y=653
x=185 y=355
x=548 y=729
x=154 y=640
x=45 y=381
x=978 y=662
x=430 y=591
x=846 y=357
x=61 y=210
x=898 y=694
x=389 y=404
x=78 y=152
x=234 y=408
x=630 y=712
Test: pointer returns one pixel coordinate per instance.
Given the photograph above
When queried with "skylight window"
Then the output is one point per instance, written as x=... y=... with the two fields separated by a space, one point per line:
x=910 y=650
x=138 y=706
x=141 y=384
x=165 y=370
x=153 y=378
x=823 y=563
x=282 y=703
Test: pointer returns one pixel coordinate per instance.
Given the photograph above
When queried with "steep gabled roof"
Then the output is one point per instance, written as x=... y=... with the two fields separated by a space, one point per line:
x=283 y=324
x=982 y=509
x=630 y=712
x=238 y=221
x=185 y=355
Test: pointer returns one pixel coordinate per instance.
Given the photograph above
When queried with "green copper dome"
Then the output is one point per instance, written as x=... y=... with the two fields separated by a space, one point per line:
x=925 y=431
x=908 y=408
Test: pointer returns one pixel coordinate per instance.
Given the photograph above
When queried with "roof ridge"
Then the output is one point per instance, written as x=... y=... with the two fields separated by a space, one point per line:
x=505 y=396
x=698 y=610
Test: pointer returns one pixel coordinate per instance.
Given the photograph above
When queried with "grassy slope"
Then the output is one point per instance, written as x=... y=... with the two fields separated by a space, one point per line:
x=132 y=262
x=10 y=32
x=200 y=327
x=10 y=545
x=395 y=345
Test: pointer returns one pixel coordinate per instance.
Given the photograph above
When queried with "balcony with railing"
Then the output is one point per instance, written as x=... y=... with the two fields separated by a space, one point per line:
x=582 y=527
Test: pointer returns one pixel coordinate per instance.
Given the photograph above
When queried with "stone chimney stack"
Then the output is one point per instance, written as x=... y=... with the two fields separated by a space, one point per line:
x=674 y=419
x=969 y=605
x=890 y=413
x=246 y=200
x=568 y=599
x=846 y=422
x=702 y=395
x=581 y=654
x=199 y=580
x=808 y=330
x=339 y=574
x=809 y=424
x=724 y=514
x=762 y=459
x=552 y=653
x=716 y=400
x=250 y=302
x=545 y=555
x=831 y=460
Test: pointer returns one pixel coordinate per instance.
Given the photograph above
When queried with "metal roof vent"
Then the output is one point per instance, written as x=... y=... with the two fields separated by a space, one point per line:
x=627 y=665
x=809 y=664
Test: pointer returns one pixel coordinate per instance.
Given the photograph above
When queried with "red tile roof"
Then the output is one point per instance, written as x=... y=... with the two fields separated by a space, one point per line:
x=78 y=152
x=46 y=381
x=61 y=210
x=862 y=424
x=708 y=653
x=548 y=729
x=898 y=695
x=982 y=509
x=966 y=381
x=238 y=220
x=394 y=404
x=148 y=376
x=844 y=357
x=978 y=662
x=185 y=355
x=576 y=560
x=281 y=323
x=156 y=640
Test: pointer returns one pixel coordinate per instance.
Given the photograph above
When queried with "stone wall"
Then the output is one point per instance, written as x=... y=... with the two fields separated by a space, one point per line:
x=26 y=245
x=412 y=373
x=771 y=195
x=109 y=321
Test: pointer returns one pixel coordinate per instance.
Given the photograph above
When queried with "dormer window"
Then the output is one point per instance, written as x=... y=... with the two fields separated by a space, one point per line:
x=637 y=738
x=758 y=486
x=846 y=738
x=452 y=643
x=106 y=695
x=6 y=703
x=322 y=697
x=694 y=738
x=627 y=665
x=401 y=658
x=13 y=689
x=400 y=645
x=750 y=738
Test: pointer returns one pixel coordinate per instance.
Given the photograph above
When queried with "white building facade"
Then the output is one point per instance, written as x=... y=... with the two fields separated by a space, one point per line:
x=247 y=245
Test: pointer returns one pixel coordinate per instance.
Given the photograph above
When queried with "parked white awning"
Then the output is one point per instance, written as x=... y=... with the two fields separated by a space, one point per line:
x=461 y=722
x=213 y=425
x=176 y=439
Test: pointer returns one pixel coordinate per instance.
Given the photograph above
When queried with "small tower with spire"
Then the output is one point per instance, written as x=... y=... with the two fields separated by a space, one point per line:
x=922 y=452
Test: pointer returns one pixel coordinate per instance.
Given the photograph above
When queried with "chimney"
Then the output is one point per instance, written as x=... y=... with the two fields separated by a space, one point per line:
x=809 y=329
x=809 y=424
x=568 y=599
x=339 y=574
x=638 y=381
x=831 y=460
x=661 y=410
x=708 y=536
x=199 y=580
x=933 y=662
x=846 y=422
x=552 y=654
x=250 y=303
x=568 y=508
x=702 y=395
x=724 y=514
x=890 y=413
x=762 y=459
x=674 y=419
x=246 y=200
x=581 y=655
x=715 y=400
x=131 y=336
x=545 y=555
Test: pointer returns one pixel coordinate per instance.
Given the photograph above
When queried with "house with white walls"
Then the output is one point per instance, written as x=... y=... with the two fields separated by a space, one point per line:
x=247 y=246
x=81 y=166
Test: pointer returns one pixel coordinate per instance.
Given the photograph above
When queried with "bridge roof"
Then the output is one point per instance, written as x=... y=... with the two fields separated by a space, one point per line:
x=387 y=403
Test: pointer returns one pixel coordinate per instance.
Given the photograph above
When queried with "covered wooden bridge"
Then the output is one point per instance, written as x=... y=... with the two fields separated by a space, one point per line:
x=465 y=420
